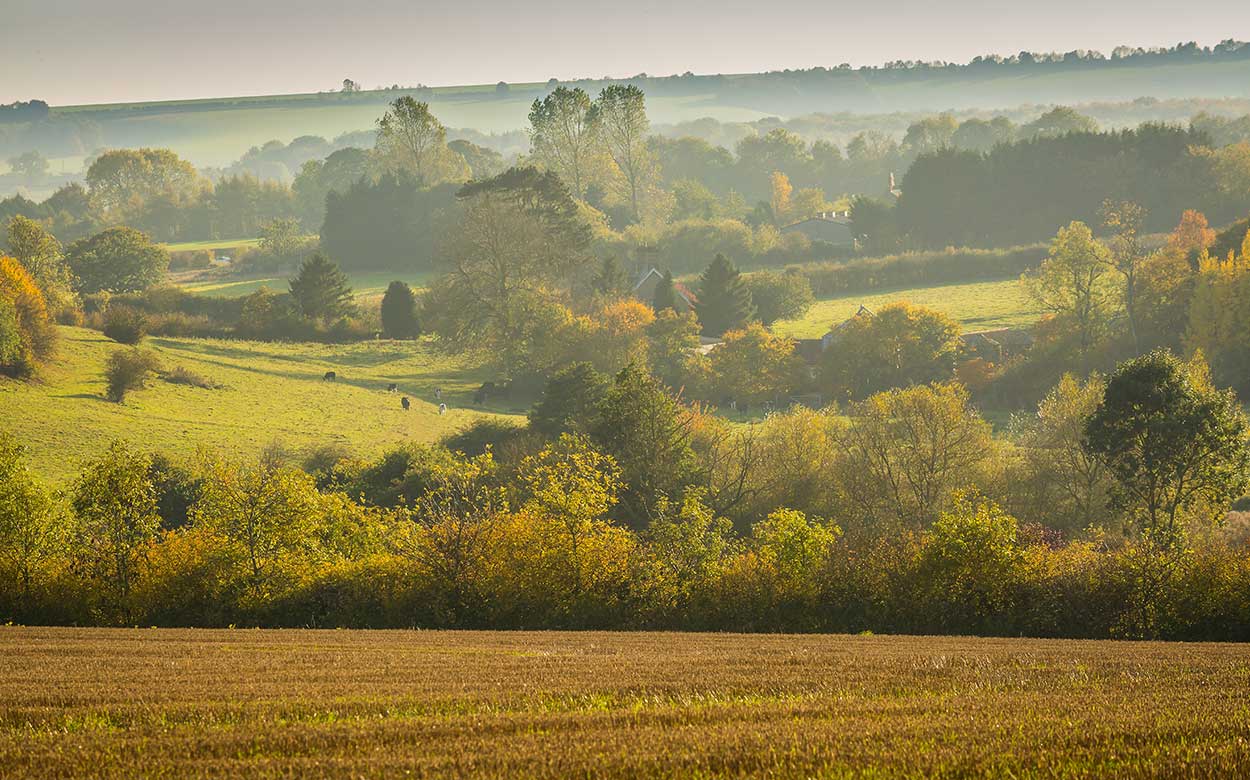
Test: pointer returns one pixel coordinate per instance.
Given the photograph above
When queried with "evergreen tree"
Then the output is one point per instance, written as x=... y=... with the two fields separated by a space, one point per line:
x=321 y=290
x=570 y=400
x=610 y=279
x=665 y=296
x=724 y=298
x=399 y=312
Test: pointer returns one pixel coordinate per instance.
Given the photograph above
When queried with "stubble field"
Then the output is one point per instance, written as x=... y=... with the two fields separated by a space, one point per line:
x=178 y=703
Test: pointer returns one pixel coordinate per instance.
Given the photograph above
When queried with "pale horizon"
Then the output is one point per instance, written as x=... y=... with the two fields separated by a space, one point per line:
x=77 y=52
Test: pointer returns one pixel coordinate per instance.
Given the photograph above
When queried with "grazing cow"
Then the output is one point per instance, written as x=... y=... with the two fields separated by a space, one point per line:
x=479 y=396
x=330 y=377
x=442 y=408
x=392 y=388
x=404 y=402
x=438 y=394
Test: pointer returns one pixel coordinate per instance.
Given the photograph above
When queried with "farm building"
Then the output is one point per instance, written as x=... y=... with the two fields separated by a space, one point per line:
x=831 y=227
x=644 y=291
x=997 y=345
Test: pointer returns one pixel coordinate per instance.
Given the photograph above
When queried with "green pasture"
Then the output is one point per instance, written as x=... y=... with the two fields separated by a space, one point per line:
x=272 y=393
x=975 y=305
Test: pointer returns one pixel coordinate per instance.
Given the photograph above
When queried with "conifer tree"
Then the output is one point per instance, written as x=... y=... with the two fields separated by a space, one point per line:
x=724 y=299
x=321 y=290
x=399 y=312
x=665 y=297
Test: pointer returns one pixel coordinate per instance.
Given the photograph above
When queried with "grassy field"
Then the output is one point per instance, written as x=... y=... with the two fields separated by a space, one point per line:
x=976 y=306
x=178 y=703
x=273 y=393
x=366 y=285
x=228 y=243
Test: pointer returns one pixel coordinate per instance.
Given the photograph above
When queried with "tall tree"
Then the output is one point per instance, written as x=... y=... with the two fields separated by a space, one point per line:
x=125 y=181
x=41 y=254
x=520 y=240
x=1125 y=219
x=565 y=137
x=610 y=280
x=118 y=260
x=724 y=299
x=622 y=112
x=665 y=295
x=411 y=138
x=321 y=290
x=399 y=312
x=1172 y=442
x=1073 y=283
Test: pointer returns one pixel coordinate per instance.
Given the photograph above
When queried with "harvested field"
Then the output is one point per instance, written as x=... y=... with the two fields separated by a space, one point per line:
x=176 y=703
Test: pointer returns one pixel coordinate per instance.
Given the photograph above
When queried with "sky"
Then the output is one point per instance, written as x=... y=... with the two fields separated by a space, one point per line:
x=96 y=51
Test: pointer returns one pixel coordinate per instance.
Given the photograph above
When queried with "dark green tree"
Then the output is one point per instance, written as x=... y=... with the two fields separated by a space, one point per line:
x=724 y=299
x=610 y=279
x=321 y=290
x=399 y=312
x=118 y=260
x=649 y=434
x=570 y=401
x=1172 y=442
x=665 y=296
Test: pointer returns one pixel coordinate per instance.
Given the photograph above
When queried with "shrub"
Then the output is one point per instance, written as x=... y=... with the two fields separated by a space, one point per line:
x=125 y=325
x=181 y=375
x=26 y=331
x=779 y=296
x=190 y=260
x=128 y=369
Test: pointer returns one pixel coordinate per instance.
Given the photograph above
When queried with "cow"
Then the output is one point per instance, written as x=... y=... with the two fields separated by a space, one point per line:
x=330 y=376
x=404 y=402
x=442 y=408
x=438 y=394
x=482 y=393
x=392 y=388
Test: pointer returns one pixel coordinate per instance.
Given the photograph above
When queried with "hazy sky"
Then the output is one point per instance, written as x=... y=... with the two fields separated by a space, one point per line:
x=87 y=51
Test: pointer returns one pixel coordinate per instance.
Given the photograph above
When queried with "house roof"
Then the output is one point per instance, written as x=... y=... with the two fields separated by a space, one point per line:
x=678 y=287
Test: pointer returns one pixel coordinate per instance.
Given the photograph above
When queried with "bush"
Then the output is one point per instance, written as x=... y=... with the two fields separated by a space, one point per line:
x=128 y=369
x=125 y=325
x=181 y=375
x=919 y=269
x=779 y=296
x=190 y=260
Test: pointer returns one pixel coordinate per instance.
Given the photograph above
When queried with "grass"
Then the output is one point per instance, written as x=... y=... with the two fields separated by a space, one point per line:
x=272 y=392
x=366 y=285
x=975 y=305
x=177 y=703
x=228 y=243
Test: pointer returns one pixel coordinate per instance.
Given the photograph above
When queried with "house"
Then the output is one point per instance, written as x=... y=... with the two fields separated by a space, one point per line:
x=811 y=349
x=831 y=227
x=644 y=291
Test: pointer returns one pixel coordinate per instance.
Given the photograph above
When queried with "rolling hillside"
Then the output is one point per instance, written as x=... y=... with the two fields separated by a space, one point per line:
x=272 y=393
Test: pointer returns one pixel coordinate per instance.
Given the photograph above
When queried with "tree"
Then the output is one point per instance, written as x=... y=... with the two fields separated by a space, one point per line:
x=724 y=299
x=520 y=241
x=318 y=178
x=779 y=202
x=648 y=434
x=898 y=346
x=116 y=523
x=321 y=290
x=665 y=297
x=907 y=450
x=621 y=111
x=265 y=512
x=1070 y=486
x=41 y=254
x=281 y=237
x=124 y=182
x=1072 y=282
x=410 y=138
x=779 y=295
x=399 y=312
x=1125 y=218
x=610 y=280
x=1173 y=443
x=31 y=166
x=570 y=401
x=117 y=260
x=27 y=334
x=31 y=532
x=754 y=366
x=565 y=136
x=1059 y=121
